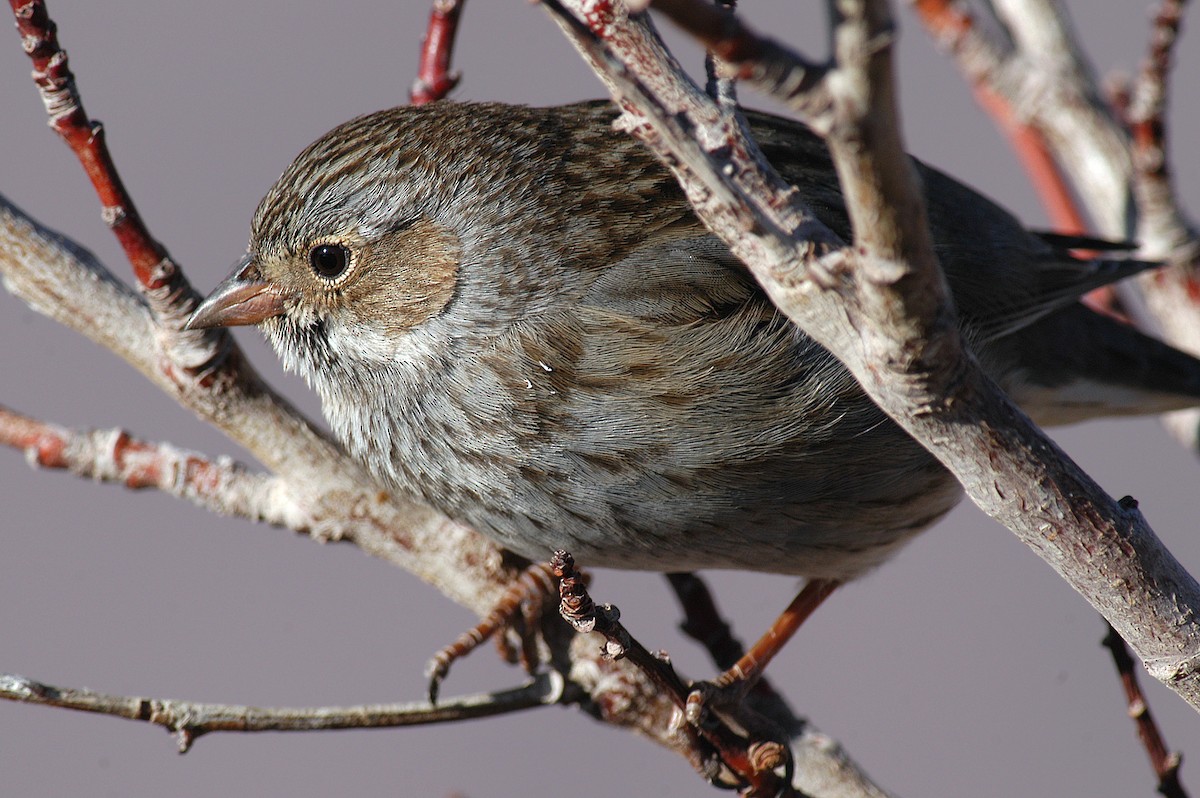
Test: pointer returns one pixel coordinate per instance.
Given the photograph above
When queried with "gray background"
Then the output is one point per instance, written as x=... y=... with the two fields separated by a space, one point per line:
x=965 y=666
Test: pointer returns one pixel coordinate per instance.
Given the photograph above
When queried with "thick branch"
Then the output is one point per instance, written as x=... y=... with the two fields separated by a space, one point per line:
x=1040 y=75
x=1008 y=467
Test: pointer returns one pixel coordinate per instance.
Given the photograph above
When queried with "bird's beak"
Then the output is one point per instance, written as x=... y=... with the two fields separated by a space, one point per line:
x=244 y=298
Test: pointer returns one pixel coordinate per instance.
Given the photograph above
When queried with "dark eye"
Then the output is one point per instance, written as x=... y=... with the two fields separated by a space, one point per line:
x=329 y=260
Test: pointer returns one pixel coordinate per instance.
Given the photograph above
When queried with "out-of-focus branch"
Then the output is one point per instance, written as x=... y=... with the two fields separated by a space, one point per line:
x=880 y=311
x=188 y=720
x=435 y=80
x=1039 y=75
x=1169 y=298
x=1161 y=220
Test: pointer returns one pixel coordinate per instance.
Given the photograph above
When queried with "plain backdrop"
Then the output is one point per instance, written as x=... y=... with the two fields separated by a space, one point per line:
x=966 y=666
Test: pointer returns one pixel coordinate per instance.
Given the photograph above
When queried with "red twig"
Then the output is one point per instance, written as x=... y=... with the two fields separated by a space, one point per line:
x=152 y=266
x=115 y=456
x=1165 y=762
x=111 y=455
x=951 y=25
x=434 y=78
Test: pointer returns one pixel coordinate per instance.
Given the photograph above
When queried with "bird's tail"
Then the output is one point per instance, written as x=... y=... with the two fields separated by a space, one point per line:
x=1079 y=365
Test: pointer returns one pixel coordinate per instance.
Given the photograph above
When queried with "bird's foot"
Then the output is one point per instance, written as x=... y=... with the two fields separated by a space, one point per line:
x=516 y=616
x=736 y=747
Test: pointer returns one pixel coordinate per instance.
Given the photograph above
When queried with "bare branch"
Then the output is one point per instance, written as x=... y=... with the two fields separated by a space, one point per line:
x=1165 y=763
x=170 y=295
x=929 y=385
x=188 y=720
x=435 y=80
x=222 y=486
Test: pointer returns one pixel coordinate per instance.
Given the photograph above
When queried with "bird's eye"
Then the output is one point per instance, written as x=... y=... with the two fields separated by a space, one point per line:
x=329 y=260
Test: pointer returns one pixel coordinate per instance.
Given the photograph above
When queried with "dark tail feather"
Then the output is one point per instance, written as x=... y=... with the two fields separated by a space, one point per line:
x=1081 y=365
x=1066 y=241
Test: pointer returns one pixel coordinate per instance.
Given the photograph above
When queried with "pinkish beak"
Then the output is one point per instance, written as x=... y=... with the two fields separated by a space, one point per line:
x=243 y=298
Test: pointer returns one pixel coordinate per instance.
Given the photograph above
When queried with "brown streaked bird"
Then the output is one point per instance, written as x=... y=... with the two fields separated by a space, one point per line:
x=513 y=315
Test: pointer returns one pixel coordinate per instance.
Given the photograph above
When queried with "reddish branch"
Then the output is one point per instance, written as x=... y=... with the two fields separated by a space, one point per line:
x=434 y=78
x=1164 y=761
x=114 y=456
x=152 y=266
x=952 y=26
x=111 y=455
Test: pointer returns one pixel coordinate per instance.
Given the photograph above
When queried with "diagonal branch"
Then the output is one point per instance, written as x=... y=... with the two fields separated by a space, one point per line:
x=170 y=294
x=879 y=316
x=1041 y=77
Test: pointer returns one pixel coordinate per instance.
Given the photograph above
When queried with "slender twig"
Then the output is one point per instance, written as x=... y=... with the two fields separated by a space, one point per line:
x=188 y=720
x=435 y=79
x=956 y=30
x=1146 y=115
x=158 y=275
x=720 y=84
x=221 y=485
x=1148 y=103
x=1164 y=761
x=702 y=620
x=752 y=760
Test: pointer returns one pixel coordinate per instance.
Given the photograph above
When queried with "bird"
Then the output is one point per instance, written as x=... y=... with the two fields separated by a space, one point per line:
x=513 y=315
